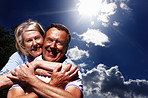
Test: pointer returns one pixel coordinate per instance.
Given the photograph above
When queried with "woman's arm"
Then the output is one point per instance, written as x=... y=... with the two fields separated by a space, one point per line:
x=44 y=64
x=14 y=61
x=46 y=68
x=4 y=81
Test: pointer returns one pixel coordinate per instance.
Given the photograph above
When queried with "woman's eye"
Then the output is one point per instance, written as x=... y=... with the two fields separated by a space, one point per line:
x=29 y=40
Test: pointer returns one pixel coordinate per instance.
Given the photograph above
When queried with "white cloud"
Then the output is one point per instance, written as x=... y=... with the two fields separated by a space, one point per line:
x=94 y=36
x=92 y=22
x=82 y=65
x=76 y=54
x=124 y=6
x=109 y=8
x=105 y=12
x=103 y=18
x=115 y=23
x=109 y=83
x=105 y=24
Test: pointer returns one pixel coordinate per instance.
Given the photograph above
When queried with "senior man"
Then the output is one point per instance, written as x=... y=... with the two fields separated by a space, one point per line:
x=56 y=42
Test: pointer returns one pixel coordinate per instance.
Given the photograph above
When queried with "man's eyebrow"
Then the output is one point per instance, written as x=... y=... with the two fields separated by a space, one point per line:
x=60 y=40
x=48 y=38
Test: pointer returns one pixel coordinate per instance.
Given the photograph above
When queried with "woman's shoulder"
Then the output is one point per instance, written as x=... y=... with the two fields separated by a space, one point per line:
x=14 y=60
x=17 y=55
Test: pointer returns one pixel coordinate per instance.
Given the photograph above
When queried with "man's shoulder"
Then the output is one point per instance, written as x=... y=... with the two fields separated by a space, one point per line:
x=69 y=61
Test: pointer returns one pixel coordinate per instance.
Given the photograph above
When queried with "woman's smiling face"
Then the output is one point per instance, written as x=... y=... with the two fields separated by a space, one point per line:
x=33 y=42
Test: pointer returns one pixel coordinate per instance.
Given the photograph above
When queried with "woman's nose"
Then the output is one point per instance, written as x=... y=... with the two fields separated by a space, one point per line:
x=34 y=43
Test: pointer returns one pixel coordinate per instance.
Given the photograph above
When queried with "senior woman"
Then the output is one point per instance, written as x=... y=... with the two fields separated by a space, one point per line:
x=29 y=41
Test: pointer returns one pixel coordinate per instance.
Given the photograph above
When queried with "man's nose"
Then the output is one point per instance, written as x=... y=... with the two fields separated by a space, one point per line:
x=53 y=44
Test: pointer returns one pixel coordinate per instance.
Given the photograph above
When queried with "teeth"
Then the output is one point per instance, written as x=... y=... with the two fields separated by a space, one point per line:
x=49 y=52
x=35 y=49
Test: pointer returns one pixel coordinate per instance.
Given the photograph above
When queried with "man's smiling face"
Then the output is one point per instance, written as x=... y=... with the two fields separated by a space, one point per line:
x=54 y=46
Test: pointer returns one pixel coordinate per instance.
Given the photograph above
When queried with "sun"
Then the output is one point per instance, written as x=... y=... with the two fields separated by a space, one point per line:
x=89 y=7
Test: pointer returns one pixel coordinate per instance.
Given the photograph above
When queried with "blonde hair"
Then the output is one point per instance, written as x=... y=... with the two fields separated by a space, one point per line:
x=26 y=26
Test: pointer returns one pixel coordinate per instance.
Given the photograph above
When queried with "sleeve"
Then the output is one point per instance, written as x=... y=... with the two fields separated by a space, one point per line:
x=77 y=83
x=17 y=86
x=68 y=61
x=14 y=86
x=14 y=61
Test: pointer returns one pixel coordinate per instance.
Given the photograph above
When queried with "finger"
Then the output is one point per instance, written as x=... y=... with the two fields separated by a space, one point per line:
x=22 y=67
x=49 y=74
x=57 y=68
x=13 y=73
x=66 y=68
x=36 y=63
x=43 y=72
x=29 y=65
x=74 y=76
x=10 y=76
x=72 y=69
x=75 y=73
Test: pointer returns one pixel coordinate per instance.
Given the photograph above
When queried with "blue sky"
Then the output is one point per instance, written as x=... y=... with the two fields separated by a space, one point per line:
x=109 y=43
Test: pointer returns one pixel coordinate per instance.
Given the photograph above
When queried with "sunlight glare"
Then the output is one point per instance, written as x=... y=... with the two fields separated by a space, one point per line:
x=98 y=9
x=89 y=7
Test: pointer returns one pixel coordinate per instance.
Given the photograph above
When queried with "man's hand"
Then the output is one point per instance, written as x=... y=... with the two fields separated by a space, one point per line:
x=62 y=75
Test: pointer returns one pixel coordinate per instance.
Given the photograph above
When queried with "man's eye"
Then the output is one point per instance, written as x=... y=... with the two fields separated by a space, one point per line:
x=37 y=38
x=59 y=43
x=49 y=40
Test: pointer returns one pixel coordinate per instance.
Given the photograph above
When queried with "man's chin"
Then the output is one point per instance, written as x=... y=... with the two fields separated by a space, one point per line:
x=38 y=54
x=50 y=59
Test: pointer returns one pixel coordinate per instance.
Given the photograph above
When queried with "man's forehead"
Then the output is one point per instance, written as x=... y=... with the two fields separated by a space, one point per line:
x=55 y=32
